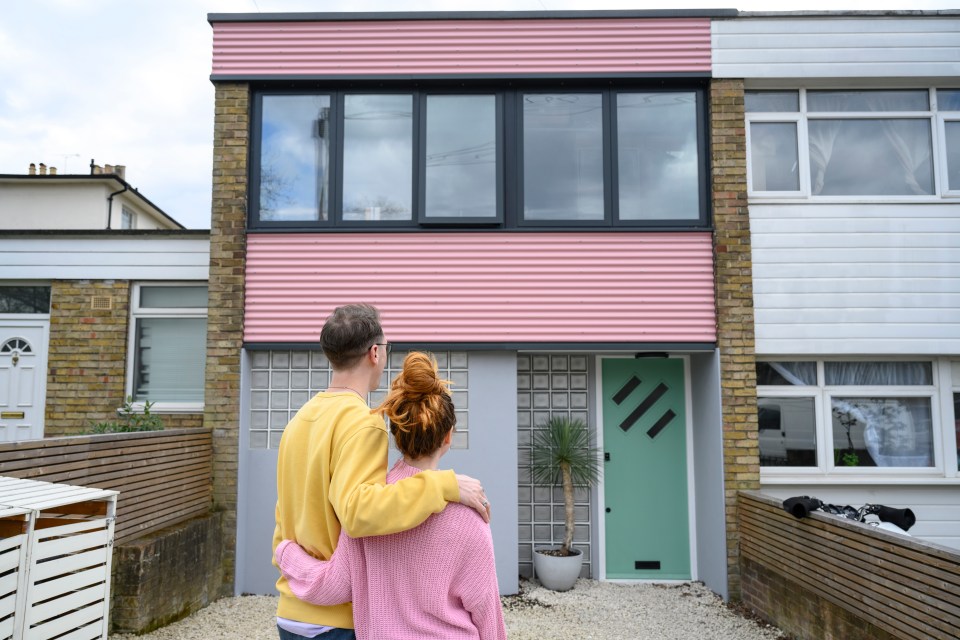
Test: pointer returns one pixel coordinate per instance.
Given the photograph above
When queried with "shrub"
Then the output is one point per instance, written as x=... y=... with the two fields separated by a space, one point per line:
x=129 y=420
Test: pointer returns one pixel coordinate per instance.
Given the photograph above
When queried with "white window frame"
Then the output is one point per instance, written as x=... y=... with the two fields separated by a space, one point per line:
x=803 y=116
x=942 y=172
x=136 y=313
x=125 y=213
x=826 y=469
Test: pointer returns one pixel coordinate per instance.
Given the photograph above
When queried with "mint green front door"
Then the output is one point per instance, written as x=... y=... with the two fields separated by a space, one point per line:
x=647 y=532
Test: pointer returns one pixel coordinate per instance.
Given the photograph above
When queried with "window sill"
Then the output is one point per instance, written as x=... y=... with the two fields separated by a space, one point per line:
x=168 y=407
x=860 y=480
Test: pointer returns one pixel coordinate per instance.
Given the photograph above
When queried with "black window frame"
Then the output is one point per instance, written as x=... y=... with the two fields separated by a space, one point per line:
x=509 y=155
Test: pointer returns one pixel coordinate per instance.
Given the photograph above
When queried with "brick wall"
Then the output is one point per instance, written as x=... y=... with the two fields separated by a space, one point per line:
x=799 y=611
x=225 y=319
x=734 y=286
x=87 y=357
x=166 y=576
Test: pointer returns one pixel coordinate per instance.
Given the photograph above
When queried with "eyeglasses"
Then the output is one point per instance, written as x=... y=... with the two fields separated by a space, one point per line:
x=385 y=345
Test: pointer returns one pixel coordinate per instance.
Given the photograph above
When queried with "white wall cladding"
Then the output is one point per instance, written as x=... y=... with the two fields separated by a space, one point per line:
x=104 y=257
x=827 y=47
x=856 y=278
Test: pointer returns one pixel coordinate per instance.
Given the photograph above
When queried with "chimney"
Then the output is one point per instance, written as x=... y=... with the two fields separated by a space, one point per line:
x=53 y=171
x=121 y=171
x=96 y=170
x=108 y=168
x=33 y=169
x=43 y=169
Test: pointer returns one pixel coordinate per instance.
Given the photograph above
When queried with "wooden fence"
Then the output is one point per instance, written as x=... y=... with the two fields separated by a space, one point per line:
x=163 y=477
x=825 y=571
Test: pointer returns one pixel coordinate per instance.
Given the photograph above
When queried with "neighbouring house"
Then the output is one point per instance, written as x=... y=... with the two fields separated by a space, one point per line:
x=103 y=297
x=853 y=131
x=580 y=213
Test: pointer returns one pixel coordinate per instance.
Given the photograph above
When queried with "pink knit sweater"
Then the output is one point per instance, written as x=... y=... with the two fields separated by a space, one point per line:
x=437 y=580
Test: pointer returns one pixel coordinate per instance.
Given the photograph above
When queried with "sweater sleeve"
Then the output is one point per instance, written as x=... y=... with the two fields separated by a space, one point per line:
x=366 y=506
x=318 y=581
x=476 y=580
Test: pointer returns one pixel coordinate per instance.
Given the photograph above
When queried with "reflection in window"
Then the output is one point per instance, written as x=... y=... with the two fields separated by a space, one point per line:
x=378 y=157
x=900 y=153
x=658 y=165
x=294 y=157
x=562 y=157
x=788 y=432
x=952 y=133
x=878 y=373
x=771 y=101
x=910 y=100
x=786 y=373
x=461 y=160
x=773 y=156
x=956 y=423
x=882 y=432
x=24 y=299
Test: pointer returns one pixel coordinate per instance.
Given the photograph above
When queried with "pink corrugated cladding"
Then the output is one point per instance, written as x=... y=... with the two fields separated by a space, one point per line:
x=486 y=287
x=432 y=47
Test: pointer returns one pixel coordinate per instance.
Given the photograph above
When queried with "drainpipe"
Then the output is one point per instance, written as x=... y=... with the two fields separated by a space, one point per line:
x=110 y=203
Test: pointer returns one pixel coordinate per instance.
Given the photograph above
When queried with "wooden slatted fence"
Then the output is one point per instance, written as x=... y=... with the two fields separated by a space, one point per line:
x=163 y=477
x=904 y=587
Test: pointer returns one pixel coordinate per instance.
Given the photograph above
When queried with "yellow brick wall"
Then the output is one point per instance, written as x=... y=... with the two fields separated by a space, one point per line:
x=225 y=319
x=87 y=355
x=734 y=292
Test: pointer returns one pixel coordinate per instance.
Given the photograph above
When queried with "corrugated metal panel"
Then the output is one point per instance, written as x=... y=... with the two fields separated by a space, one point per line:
x=836 y=48
x=437 y=47
x=486 y=287
x=867 y=279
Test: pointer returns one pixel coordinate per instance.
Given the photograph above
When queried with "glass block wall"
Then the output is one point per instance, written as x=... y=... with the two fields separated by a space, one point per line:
x=283 y=381
x=549 y=385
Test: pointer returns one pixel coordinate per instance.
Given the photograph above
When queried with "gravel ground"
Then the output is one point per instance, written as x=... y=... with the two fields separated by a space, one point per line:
x=592 y=610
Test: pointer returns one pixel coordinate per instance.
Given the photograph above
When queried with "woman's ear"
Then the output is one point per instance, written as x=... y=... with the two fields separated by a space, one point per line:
x=447 y=439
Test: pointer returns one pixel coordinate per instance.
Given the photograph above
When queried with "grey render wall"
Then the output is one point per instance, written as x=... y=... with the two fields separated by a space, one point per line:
x=708 y=471
x=491 y=457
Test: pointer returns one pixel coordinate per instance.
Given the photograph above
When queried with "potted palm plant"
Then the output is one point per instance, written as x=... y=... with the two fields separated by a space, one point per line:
x=563 y=456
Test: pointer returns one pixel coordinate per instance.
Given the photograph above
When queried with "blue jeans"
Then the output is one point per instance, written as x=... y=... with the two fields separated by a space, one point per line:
x=333 y=634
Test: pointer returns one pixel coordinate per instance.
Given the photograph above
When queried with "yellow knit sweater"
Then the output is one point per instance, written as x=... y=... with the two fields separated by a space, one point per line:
x=332 y=471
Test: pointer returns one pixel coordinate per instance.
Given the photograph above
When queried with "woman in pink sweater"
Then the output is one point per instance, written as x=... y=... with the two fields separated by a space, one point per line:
x=437 y=580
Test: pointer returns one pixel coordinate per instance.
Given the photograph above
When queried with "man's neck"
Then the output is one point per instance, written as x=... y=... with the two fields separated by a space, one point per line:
x=341 y=381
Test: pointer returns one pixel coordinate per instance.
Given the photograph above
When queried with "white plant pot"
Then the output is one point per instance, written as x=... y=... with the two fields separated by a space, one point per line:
x=557 y=573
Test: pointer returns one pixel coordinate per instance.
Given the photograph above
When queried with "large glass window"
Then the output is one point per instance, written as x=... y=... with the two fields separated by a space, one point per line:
x=563 y=156
x=378 y=157
x=294 y=158
x=527 y=156
x=863 y=143
x=461 y=161
x=169 y=333
x=658 y=164
x=862 y=414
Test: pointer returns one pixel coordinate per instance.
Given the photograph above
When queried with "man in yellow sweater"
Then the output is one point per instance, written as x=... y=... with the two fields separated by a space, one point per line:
x=332 y=470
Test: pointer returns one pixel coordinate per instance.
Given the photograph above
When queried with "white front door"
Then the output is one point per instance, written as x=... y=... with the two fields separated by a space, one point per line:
x=23 y=369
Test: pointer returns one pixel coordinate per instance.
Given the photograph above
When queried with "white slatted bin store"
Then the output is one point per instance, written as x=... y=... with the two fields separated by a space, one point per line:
x=63 y=588
x=14 y=523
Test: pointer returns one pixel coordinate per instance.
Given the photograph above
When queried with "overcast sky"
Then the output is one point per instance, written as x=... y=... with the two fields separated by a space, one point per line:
x=127 y=81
